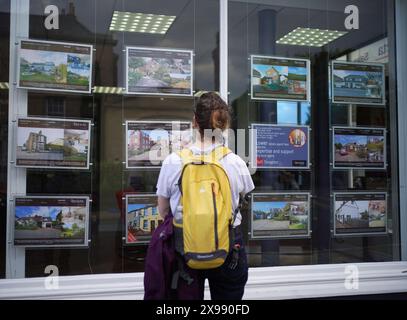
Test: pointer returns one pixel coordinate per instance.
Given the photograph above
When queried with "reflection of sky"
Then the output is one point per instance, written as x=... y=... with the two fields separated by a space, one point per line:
x=43 y=56
x=262 y=68
x=297 y=70
x=286 y=112
x=266 y=206
x=39 y=211
x=345 y=139
x=51 y=134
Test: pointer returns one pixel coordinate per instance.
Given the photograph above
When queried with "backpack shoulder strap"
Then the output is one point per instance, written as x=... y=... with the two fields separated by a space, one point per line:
x=219 y=153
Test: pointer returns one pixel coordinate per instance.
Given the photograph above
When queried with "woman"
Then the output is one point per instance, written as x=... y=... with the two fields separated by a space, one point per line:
x=211 y=113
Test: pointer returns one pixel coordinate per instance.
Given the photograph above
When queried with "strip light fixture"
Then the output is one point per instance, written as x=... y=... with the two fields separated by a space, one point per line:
x=310 y=37
x=140 y=22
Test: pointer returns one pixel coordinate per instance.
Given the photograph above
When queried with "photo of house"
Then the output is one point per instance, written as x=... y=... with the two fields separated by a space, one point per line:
x=351 y=82
x=56 y=68
x=41 y=142
x=149 y=143
x=356 y=148
x=280 y=215
x=377 y=214
x=159 y=71
x=275 y=79
x=360 y=214
x=76 y=145
x=49 y=223
x=141 y=220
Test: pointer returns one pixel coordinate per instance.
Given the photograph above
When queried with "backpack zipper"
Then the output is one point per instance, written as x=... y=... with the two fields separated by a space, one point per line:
x=216 y=217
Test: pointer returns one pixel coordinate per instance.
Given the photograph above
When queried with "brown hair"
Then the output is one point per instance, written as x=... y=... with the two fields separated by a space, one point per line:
x=211 y=112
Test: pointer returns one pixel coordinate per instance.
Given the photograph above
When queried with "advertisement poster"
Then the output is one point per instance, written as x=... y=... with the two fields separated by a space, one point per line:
x=53 y=143
x=358 y=83
x=277 y=215
x=51 y=221
x=154 y=71
x=279 y=147
x=142 y=218
x=55 y=66
x=360 y=213
x=275 y=78
x=359 y=148
x=150 y=142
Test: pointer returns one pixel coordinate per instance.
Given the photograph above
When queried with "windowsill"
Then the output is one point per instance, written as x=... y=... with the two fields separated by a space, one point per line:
x=292 y=282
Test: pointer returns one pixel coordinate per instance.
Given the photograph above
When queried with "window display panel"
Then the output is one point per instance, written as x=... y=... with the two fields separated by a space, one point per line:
x=363 y=148
x=360 y=213
x=358 y=83
x=279 y=147
x=142 y=218
x=159 y=71
x=51 y=221
x=278 y=215
x=53 y=143
x=55 y=66
x=275 y=78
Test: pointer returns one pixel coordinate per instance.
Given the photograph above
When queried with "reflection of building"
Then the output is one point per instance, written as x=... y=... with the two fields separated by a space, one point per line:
x=146 y=219
x=36 y=142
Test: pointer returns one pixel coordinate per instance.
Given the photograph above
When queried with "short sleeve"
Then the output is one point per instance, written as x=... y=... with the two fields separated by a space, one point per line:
x=168 y=173
x=246 y=178
x=163 y=185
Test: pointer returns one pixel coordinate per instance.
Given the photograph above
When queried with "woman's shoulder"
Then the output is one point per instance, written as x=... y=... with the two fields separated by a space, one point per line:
x=172 y=159
x=234 y=160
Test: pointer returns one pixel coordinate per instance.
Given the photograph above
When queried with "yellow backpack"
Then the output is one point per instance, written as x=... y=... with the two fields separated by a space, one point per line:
x=204 y=235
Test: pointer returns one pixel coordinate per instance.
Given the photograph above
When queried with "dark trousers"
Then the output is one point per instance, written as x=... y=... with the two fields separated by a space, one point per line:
x=224 y=283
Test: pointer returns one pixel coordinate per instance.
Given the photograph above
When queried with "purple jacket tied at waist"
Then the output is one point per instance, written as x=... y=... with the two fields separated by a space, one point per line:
x=161 y=264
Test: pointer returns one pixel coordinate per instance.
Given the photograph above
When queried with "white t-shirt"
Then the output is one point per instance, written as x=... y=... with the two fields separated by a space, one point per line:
x=239 y=177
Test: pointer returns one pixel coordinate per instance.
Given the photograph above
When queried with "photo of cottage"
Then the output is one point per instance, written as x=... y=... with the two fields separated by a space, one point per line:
x=280 y=215
x=53 y=69
x=49 y=223
x=274 y=79
x=357 y=83
x=141 y=220
x=164 y=72
x=354 y=149
x=360 y=214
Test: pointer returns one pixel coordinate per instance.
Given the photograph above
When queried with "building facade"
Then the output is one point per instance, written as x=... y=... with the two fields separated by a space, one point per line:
x=327 y=66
